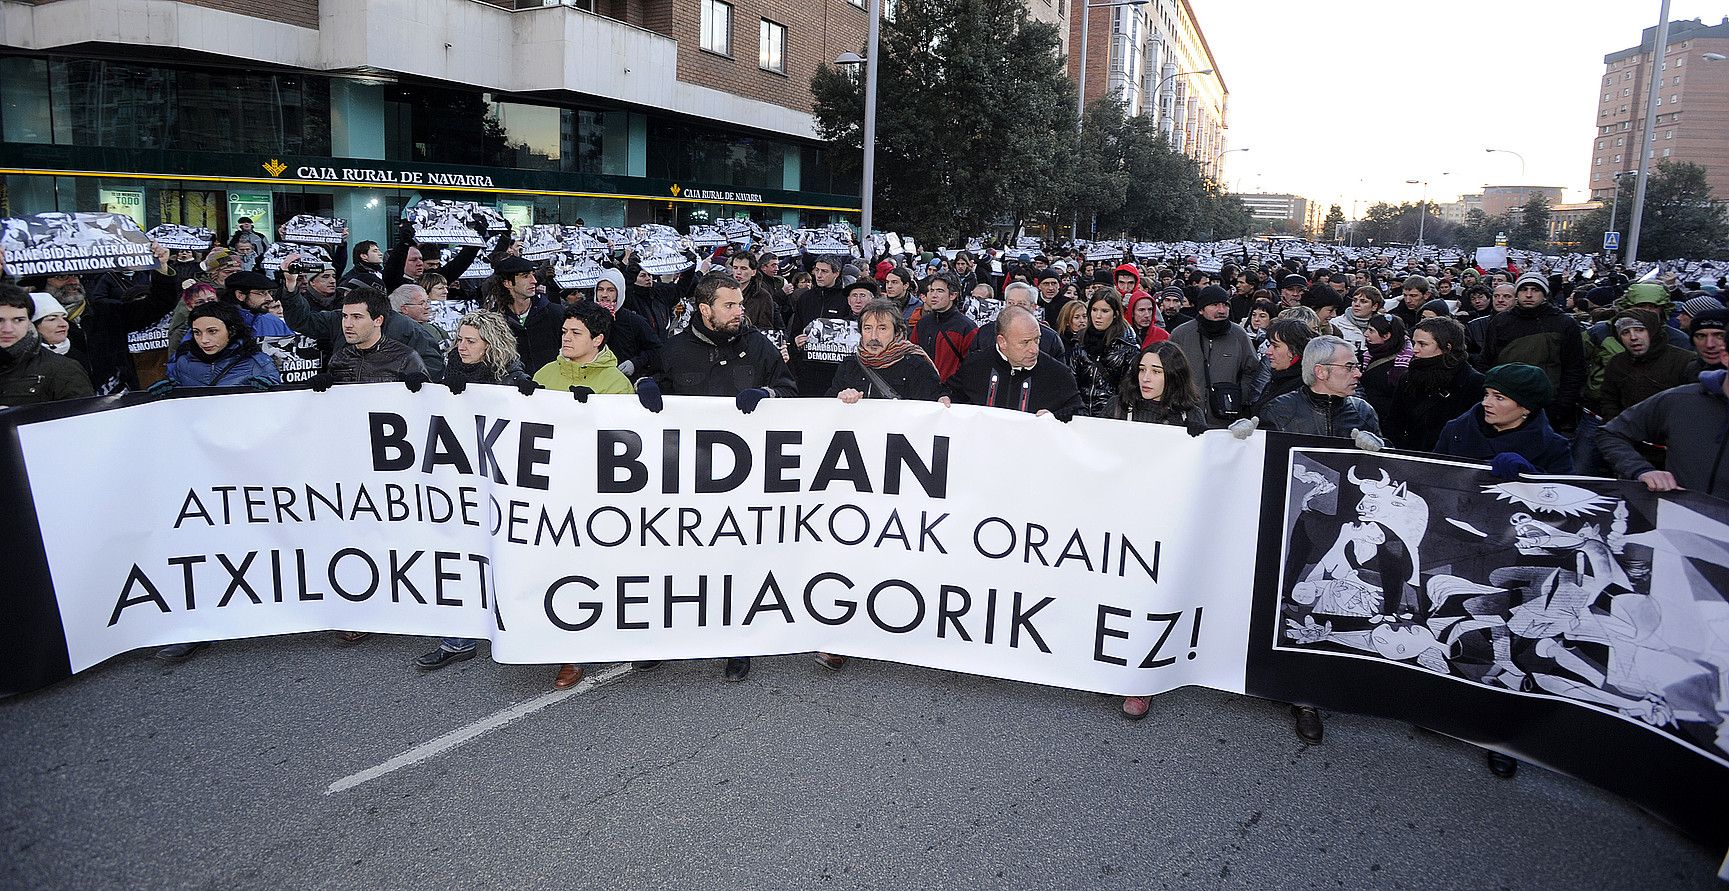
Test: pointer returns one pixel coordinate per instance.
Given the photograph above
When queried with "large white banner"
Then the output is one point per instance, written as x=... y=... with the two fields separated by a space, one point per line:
x=969 y=539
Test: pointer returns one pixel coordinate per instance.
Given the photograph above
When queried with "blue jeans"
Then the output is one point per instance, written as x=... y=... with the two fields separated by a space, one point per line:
x=458 y=644
x=1587 y=461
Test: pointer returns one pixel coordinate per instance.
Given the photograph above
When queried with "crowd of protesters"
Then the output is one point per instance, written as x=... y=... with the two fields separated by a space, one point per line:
x=1527 y=370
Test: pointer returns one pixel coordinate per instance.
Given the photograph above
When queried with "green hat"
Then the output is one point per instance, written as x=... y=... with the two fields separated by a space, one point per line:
x=1646 y=294
x=1524 y=384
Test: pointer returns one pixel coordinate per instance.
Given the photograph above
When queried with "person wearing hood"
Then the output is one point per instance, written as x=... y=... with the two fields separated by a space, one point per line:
x=940 y=328
x=1013 y=374
x=1691 y=422
x=583 y=358
x=55 y=331
x=30 y=374
x=1601 y=344
x=1143 y=318
x=1438 y=386
x=1127 y=279
x=1222 y=355
x=220 y=350
x=1647 y=365
x=633 y=340
x=1510 y=429
x=1707 y=331
x=1104 y=356
x=825 y=299
x=1536 y=332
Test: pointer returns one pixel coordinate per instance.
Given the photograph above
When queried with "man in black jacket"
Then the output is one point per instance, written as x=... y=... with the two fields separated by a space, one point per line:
x=1536 y=332
x=367 y=356
x=1012 y=374
x=718 y=355
x=887 y=364
x=824 y=299
x=325 y=326
x=536 y=322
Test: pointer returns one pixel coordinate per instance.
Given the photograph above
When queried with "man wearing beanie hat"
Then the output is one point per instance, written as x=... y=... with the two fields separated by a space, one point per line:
x=1692 y=423
x=1708 y=331
x=1648 y=365
x=1536 y=332
x=1221 y=354
x=1693 y=306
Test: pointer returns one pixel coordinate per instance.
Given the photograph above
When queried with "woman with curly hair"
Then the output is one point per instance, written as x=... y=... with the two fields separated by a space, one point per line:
x=485 y=353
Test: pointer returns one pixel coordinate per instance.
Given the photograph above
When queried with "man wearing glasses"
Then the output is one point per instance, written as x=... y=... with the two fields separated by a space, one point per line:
x=1328 y=405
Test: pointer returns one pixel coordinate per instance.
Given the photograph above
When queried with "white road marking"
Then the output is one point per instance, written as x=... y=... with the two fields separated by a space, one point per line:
x=492 y=722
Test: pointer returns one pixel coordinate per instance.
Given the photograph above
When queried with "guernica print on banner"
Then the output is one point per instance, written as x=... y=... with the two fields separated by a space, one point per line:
x=1588 y=590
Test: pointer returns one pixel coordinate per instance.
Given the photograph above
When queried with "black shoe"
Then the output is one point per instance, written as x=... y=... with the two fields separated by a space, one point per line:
x=1308 y=723
x=1503 y=766
x=737 y=667
x=179 y=652
x=441 y=657
x=645 y=665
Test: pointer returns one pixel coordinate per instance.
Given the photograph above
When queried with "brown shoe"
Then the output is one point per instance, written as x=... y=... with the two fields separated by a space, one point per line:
x=1135 y=707
x=567 y=677
x=830 y=661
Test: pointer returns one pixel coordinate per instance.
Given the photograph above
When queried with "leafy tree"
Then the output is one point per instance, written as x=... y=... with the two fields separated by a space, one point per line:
x=1531 y=227
x=1682 y=217
x=1335 y=219
x=974 y=123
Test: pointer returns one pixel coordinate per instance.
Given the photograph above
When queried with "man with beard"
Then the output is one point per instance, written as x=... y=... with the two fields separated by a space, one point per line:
x=718 y=355
x=887 y=364
x=1649 y=365
x=1012 y=374
x=99 y=327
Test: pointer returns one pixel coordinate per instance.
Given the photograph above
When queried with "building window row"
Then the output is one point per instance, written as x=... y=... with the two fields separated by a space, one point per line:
x=716 y=36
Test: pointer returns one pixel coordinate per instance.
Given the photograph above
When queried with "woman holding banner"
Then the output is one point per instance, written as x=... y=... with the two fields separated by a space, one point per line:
x=219 y=351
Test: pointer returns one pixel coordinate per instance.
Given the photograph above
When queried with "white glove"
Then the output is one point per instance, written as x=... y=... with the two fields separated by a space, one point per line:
x=1367 y=441
x=626 y=367
x=1241 y=429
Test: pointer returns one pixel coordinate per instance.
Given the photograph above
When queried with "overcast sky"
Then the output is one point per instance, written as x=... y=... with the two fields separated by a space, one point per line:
x=1344 y=100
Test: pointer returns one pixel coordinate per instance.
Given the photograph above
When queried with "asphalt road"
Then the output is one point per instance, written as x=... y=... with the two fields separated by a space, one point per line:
x=215 y=774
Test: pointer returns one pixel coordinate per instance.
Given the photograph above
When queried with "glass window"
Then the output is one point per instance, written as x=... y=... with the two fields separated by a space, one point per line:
x=534 y=135
x=693 y=153
x=25 y=105
x=717 y=27
x=771 y=47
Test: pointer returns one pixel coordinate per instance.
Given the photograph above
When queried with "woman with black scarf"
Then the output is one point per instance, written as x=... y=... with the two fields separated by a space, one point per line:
x=1439 y=385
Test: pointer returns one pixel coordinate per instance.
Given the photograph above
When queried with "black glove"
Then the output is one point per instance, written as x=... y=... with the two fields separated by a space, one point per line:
x=478 y=224
x=527 y=386
x=648 y=393
x=258 y=383
x=405 y=231
x=749 y=399
x=161 y=388
x=1197 y=426
x=582 y=393
x=456 y=385
x=321 y=381
x=414 y=380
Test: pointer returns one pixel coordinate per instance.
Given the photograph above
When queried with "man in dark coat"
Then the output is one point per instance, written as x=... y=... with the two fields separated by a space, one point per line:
x=1536 y=332
x=887 y=364
x=1012 y=374
x=30 y=373
x=325 y=326
x=534 y=320
x=719 y=355
x=824 y=299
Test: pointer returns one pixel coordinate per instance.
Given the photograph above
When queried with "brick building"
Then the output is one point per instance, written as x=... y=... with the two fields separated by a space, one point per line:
x=619 y=112
x=1145 y=54
x=1692 y=106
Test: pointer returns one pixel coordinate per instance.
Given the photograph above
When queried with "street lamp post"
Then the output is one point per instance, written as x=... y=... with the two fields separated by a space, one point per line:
x=867 y=182
x=1514 y=154
x=1081 y=82
x=1657 y=51
x=1423 y=209
x=1219 y=162
x=1160 y=89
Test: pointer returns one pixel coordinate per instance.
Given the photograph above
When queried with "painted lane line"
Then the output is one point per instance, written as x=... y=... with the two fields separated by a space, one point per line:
x=492 y=722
